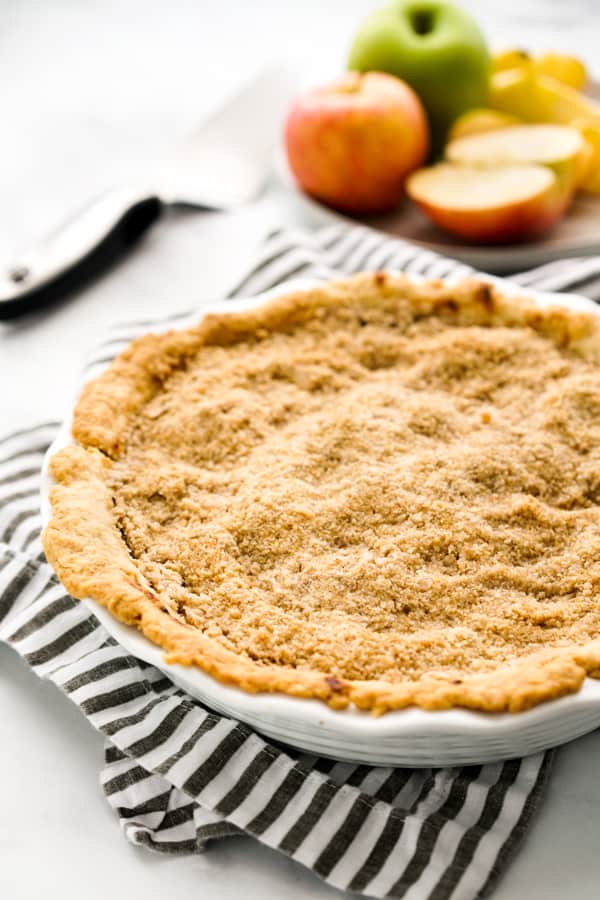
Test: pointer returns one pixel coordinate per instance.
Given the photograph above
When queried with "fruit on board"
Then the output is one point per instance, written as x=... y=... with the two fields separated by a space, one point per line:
x=476 y=121
x=560 y=147
x=539 y=98
x=591 y=132
x=490 y=205
x=434 y=46
x=352 y=143
x=567 y=69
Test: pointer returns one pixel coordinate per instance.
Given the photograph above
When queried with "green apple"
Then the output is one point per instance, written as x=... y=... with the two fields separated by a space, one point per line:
x=434 y=46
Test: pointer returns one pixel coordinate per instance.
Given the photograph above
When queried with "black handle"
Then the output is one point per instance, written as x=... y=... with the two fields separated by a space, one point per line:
x=77 y=251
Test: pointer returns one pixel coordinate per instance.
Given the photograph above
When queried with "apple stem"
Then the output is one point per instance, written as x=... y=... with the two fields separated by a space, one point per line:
x=422 y=21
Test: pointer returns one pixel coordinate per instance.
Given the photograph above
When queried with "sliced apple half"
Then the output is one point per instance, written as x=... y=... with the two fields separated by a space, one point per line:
x=560 y=147
x=490 y=205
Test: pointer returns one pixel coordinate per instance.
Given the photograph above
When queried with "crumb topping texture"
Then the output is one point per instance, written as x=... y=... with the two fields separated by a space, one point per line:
x=387 y=490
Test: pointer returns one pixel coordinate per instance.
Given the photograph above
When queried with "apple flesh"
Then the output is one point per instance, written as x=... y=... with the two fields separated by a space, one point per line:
x=560 y=147
x=435 y=47
x=353 y=143
x=496 y=205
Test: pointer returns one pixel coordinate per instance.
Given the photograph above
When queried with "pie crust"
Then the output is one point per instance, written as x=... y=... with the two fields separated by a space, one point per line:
x=372 y=492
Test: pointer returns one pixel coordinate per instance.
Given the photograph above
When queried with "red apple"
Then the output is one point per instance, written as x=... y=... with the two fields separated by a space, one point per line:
x=352 y=144
x=491 y=204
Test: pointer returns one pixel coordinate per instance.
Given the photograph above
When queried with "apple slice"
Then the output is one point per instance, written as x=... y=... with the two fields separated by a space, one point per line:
x=493 y=205
x=560 y=147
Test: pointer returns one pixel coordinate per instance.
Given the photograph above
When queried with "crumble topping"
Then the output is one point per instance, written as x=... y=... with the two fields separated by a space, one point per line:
x=394 y=491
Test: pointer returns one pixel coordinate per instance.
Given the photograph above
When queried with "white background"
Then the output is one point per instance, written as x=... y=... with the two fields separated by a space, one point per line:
x=89 y=91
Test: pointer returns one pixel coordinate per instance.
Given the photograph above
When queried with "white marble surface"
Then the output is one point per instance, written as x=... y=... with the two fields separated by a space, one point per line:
x=89 y=90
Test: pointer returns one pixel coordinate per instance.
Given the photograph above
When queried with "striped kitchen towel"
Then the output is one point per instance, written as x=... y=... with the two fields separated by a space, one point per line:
x=178 y=774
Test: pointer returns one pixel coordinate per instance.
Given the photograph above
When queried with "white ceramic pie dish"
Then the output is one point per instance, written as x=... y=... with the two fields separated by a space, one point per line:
x=410 y=737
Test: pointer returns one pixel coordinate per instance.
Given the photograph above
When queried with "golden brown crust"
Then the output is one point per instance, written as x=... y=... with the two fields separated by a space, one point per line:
x=99 y=552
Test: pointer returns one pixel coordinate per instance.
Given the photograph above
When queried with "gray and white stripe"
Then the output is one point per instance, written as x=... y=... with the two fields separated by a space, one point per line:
x=179 y=775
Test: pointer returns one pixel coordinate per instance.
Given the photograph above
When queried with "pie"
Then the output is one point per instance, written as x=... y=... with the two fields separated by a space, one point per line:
x=372 y=492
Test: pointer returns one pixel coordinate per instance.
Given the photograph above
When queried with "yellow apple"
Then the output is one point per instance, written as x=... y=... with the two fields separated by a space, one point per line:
x=352 y=143
x=490 y=205
x=568 y=70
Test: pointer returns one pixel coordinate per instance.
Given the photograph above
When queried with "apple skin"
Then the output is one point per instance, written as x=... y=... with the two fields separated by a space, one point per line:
x=352 y=144
x=448 y=66
x=509 y=223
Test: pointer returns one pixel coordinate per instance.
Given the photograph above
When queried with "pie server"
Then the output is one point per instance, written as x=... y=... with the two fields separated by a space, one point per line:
x=221 y=165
